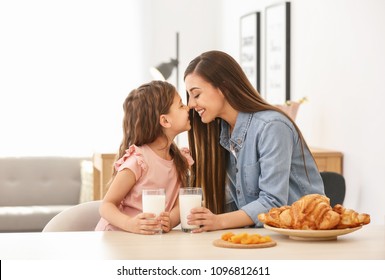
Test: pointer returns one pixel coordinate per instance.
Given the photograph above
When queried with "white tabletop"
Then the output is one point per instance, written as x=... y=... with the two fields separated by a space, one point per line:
x=366 y=243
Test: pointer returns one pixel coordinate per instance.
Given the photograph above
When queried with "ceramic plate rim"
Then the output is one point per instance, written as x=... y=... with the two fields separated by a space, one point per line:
x=330 y=233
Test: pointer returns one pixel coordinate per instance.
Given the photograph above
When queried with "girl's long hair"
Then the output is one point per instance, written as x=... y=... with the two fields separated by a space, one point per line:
x=142 y=109
x=223 y=72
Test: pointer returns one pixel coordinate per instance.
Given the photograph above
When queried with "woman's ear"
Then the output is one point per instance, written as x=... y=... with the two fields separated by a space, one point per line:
x=164 y=121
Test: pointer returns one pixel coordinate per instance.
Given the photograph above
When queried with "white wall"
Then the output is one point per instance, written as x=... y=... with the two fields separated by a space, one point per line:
x=65 y=68
x=338 y=62
x=346 y=81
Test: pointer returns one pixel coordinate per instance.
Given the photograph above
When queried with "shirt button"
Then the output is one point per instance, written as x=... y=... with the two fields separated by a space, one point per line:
x=238 y=191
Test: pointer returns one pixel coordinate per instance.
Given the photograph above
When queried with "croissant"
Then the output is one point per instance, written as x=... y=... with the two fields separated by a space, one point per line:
x=277 y=217
x=313 y=211
x=350 y=218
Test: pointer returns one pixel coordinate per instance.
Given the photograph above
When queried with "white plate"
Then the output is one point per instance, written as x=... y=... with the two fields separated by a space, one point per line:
x=301 y=234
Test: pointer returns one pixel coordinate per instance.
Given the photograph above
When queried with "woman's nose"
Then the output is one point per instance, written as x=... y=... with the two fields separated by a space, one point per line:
x=191 y=104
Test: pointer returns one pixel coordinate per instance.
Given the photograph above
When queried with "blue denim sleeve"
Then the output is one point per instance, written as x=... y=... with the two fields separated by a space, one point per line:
x=275 y=148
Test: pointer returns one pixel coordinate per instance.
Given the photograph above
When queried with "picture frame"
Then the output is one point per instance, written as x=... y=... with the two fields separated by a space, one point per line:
x=277 y=53
x=250 y=47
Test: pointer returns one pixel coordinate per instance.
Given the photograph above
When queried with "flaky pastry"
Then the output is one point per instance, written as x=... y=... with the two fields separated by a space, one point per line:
x=350 y=218
x=314 y=212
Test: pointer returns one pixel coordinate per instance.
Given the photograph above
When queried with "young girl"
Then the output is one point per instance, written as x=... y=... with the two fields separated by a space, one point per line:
x=148 y=158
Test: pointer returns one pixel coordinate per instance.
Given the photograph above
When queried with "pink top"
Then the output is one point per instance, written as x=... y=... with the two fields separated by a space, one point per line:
x=151 y=171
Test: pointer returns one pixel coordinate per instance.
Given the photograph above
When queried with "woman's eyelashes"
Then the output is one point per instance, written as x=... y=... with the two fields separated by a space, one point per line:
x=196 y=95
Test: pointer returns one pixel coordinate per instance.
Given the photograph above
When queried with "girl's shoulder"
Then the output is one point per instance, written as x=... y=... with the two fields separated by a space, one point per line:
x=186 y=153
x=133 y=153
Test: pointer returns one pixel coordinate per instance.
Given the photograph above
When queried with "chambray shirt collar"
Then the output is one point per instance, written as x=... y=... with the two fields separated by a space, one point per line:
x=237 y=138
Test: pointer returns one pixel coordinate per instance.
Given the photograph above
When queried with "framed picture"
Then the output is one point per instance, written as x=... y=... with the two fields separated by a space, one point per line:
x=277 y=59
x=250 y=41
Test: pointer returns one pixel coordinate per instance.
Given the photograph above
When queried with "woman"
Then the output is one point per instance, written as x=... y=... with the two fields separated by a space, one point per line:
x=249 y=155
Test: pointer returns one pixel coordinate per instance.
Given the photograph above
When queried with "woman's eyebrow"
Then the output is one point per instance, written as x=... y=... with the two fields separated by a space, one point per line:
x=193 y=88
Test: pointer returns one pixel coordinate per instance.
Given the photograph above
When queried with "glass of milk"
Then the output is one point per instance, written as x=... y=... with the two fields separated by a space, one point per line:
x=154 y=201
x=188 y=198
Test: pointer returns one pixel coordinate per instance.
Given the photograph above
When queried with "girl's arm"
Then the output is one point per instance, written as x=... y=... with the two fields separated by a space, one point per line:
x=109 y=210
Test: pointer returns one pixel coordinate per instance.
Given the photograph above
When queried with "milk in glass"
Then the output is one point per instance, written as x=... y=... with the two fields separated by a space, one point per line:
x=188 y=198
x=153 y=201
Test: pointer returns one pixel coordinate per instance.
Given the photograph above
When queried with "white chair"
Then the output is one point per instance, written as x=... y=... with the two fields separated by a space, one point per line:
x=81 y=217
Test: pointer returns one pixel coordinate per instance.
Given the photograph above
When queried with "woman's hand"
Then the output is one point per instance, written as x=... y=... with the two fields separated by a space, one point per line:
x=204 y=218
x=208 y=221
x=143 y=223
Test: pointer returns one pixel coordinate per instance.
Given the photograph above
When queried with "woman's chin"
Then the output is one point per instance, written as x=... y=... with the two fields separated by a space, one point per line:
x=203 y=119
x=206 y=120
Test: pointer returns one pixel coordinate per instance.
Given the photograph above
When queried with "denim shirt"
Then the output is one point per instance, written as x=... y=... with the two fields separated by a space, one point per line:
x=266 y=166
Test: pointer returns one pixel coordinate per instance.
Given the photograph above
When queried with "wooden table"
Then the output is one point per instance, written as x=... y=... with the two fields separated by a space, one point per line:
x=327 y=160
x=367 y=243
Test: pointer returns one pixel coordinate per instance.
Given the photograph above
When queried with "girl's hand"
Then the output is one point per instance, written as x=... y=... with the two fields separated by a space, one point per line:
x=165 y=221
x=143 y=223
x=204 y=218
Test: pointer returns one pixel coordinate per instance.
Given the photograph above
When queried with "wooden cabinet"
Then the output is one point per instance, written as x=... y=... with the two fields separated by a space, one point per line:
x=102 y=173
x=327 y=160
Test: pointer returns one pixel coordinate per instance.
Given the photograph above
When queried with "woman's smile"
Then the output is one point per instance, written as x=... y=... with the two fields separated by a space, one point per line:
x=200 y=112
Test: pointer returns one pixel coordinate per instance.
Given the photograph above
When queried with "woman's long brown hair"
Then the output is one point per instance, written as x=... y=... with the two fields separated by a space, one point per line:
x=142 y=109
x=223 y=72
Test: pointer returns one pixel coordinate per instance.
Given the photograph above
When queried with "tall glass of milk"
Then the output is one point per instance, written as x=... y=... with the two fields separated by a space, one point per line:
x=188 y=198
x=154 y=201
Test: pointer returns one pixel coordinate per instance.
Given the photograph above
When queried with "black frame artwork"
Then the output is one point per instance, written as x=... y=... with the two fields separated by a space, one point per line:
x=277 y=59
x=250 y=47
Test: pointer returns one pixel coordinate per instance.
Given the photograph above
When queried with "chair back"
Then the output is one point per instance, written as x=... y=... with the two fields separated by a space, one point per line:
x=335 y=187
x=81 y=217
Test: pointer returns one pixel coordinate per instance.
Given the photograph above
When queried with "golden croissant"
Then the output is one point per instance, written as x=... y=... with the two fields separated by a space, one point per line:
x=313 y=211
x=350 y=218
